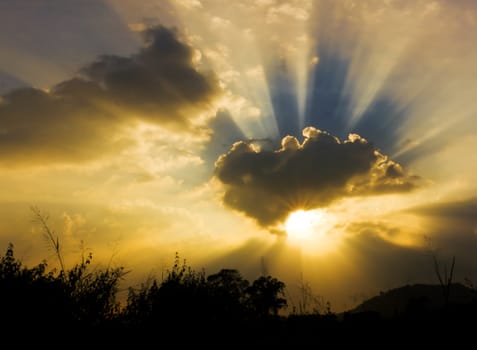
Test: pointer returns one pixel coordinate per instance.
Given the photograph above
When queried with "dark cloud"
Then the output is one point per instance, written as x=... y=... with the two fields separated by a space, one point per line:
x=224 y=132
x=38 y=127
x=451 y=226
x=464 y=210
x=447 y=229
x=81 y=118
x=267 y=185
x=451 y=231
x=160 y=80
x=382 y=259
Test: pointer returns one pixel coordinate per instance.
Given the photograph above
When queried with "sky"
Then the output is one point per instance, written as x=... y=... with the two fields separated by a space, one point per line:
x=331 y=144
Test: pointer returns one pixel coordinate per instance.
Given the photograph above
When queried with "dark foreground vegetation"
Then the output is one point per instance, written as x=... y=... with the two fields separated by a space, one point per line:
x=189 y=307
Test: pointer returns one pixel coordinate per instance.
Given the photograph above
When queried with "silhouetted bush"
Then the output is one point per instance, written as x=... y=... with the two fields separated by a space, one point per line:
x=30 y=296
x=92 y=294
x=33 y=297
x=189 y=299
x=180 y=298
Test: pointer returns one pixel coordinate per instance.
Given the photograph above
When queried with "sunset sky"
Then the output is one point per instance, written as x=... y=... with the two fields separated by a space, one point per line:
x=327 y=143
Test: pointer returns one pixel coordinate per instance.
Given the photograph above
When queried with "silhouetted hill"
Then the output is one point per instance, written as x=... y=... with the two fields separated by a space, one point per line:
x=417 y=298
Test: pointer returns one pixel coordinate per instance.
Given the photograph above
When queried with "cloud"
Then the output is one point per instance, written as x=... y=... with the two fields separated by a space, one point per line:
x=465 y=210
x=450 y=222
x=84 y=117
x=159 y=80
x=444 y=229
x=267 y=185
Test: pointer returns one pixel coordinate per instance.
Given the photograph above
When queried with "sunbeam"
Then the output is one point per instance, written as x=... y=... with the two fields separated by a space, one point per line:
x=325 y=139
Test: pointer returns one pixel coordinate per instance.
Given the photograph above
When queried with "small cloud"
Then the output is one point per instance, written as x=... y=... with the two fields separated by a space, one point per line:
x=190 y=4
x=287 y=10
x=315 y=60
x=137 y=27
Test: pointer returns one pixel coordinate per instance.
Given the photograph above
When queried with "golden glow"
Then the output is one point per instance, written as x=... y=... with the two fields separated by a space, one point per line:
x=313 y=230
x=300 y=224
x=151 y=196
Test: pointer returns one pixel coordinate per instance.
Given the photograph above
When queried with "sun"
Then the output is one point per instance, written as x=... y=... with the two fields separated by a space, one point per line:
x=312 y=230
x=300 y=223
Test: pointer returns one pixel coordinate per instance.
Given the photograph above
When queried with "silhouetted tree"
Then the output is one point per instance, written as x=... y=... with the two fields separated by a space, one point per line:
x=445 y=278
x=266 y=296
x=227 y=294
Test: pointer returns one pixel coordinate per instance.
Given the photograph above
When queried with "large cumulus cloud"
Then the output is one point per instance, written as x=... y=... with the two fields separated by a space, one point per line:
x=83 y=117
x=268 y=184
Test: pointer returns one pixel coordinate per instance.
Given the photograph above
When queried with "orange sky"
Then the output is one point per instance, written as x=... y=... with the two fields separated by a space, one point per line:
x=149 y=128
